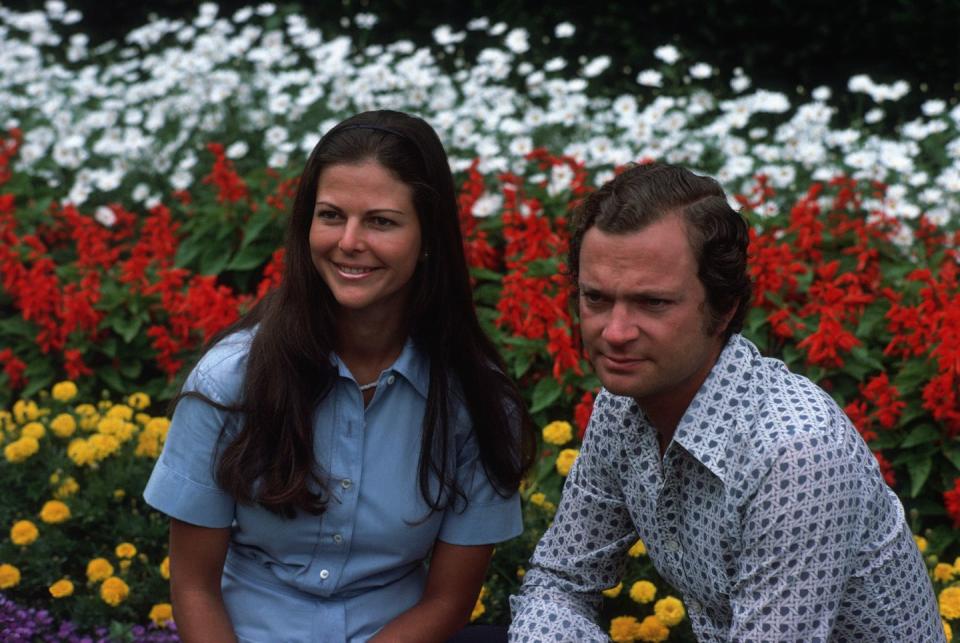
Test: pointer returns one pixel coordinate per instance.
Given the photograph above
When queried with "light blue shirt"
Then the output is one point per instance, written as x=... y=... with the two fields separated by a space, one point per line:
x=343 y=575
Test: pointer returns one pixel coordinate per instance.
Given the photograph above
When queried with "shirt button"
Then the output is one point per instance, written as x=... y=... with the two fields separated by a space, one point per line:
x=324 y=574
x=345 y=483
x=337 y=538
x=671 y=545
x=391 y=379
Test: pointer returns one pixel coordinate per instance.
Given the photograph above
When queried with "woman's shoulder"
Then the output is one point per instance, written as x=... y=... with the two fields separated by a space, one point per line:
x=219 y=373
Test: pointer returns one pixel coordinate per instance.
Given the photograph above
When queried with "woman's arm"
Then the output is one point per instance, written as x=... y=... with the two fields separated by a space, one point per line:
x=453 y=584
x=196 y=565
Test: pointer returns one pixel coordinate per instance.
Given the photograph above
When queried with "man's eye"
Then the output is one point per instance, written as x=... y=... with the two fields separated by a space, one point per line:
x=592 y=298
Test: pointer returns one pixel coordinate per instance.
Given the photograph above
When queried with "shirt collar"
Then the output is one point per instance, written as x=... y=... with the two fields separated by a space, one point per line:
x=412 y=364
x=725 y=399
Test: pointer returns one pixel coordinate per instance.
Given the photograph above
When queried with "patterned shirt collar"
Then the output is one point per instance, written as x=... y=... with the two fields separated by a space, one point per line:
x=724 y=400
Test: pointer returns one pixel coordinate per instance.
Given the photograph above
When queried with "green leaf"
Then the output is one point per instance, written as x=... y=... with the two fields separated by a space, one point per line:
x=255 y=225
x=16 y=325
x=112 y=379
x=863 y=356
x=250 y=257
x=214 y=260
x=187 y=251
x=542 y=267
x=919 y=470
x=39 y=374
x=545 y=393
x=126 y=327
x=484 y=274
x=953 y=455
x=921 y=435
x=521 y=364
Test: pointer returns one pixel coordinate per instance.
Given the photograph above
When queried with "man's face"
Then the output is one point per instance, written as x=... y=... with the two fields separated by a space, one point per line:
x=644 y=316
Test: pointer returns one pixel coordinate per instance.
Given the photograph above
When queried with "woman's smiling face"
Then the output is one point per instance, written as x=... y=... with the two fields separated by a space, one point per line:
x=365 y=237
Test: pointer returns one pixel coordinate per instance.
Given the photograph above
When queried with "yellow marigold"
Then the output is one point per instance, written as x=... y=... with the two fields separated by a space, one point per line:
x=956 y=563
x=88 y=416
x=64 y=391
x=25 y=411
x=540 y=500
x=125 y=564
x=24 y=533
x=6 y=420
x=638 y=549
x=81 y=452
x=947 y=630
x=54 y=511
x=20 y=450
x=165 y=568
x=521 y=572
x=114 y=591
x=138 y=401
x=125 y=550
x=147 y=447
x=103 y=445
x=669 y=610
x=63 y=426
x=117 y=427
x=98 y=569
x=950 y=603
x=67 y=489
x=158 y=427
x=119 y=494
x=33 y=430
x=623 y=629
x=565 y=460
x=104 y=405
x=643 y=591
x=478 y=609
x=921 y=543
x=943 y=572
x=558 y=433
x=121 y=411
x=161 y=614
x=613 y=592
x=9 y=576
x=652 y=629
x=61 y=589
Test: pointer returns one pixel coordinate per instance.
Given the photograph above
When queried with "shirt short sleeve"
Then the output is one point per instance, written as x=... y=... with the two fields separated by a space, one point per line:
x=182 y=484
x=487 y=516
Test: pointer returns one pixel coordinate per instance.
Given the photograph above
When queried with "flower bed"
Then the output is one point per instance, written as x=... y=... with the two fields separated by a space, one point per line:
x=142 y=193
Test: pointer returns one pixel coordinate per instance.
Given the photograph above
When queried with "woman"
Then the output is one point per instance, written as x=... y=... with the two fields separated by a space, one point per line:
x=356 y=423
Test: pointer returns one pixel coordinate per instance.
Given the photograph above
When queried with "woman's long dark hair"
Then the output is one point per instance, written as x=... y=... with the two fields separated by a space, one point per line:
x=271 y=461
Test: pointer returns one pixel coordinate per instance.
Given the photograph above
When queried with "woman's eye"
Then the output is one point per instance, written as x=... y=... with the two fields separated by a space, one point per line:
x=382 y=222
x=327 y=215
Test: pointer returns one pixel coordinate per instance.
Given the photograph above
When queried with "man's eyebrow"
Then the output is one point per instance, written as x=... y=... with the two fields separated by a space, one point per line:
x=635 y=295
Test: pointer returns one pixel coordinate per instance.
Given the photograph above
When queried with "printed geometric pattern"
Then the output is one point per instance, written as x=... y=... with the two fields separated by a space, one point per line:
x=767 y=512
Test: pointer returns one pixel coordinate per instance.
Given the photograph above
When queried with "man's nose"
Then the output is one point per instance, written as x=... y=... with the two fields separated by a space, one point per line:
x=621 y=327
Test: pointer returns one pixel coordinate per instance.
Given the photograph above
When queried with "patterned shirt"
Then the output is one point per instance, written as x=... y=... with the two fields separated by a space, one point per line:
x=767 y=512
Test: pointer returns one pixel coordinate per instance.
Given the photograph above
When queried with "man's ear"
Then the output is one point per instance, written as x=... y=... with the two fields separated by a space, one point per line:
x=725 y=320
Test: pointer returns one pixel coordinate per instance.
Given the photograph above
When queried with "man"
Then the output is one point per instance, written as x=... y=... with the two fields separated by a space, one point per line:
x=755 y=496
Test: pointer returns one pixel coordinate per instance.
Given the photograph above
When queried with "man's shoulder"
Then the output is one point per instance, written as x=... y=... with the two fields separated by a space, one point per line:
x=781 y=411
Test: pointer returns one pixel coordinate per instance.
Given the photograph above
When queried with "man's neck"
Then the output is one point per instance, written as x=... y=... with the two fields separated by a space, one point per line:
x=665 y=410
